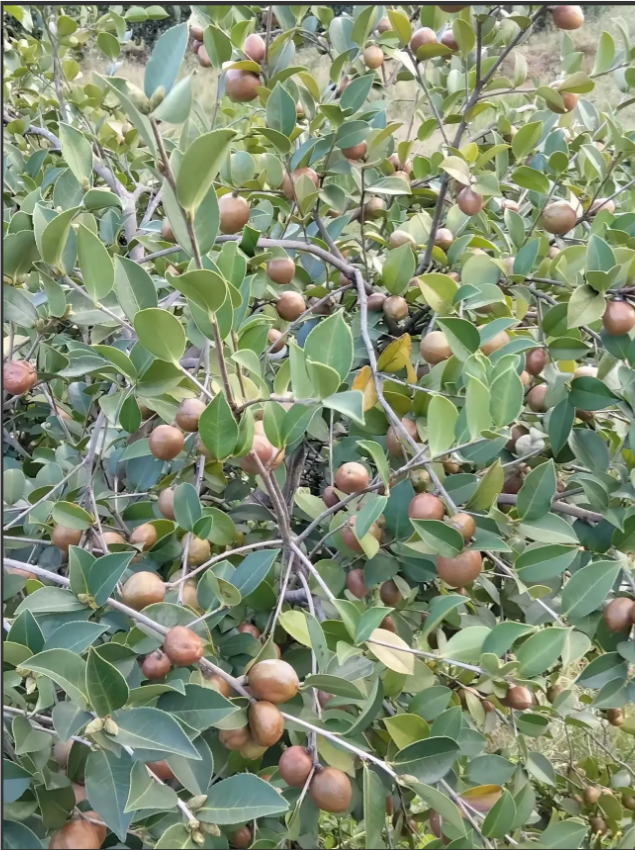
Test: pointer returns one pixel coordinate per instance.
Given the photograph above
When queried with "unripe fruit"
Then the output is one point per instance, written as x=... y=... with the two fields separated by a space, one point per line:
x=469 y=201
x=374 y=207
x=569 y=102
x=395 y=307
x=252 y=751
x=166 y=503
x=536 y=398
x=464 y=524
x=295 y=765
x=420 y=480
x=234 y=213
x=510 y=204
x=619 y=318
x=281 y=270
x=460 y=570
x=422 y=36
x=601 y=204
x=390 y=593
x=183 y=646
x=331 y=790
x=615 y=716
x=396 y=442
x=618 y=614
x=449 y=40
x=64 y=537
x=426 y=506
x=289 y=182
x=241 y=837
x=156 y=665
x=356 y=152
x=356 y=583
x=189 y=413
x=161 y=769
x=591 y=795
x=567 y=17
x=144 y=535
x=249 y=629
x=167 y=234
x=275 y=340
x=402 y=167
x=559 y=217
x=352 y=478
x=254 y=47
x=266 y=723
x=375 y=302
x=198 y=552
x=18 y=377
x=434 y=348
x=143 y=589
x=273 y=680
x=443 y=238
x=499 y=340
x=373 y=56
x=399 y=238
x=536 y=360
x=113 y=538
x=240 y=86
x=350 y=540
x=262 y=449
x=78 y=835
x=518 y=698
x=330 y=497
x=166 y=442
x=553 y=252
x=234 y=739
x=290 y=306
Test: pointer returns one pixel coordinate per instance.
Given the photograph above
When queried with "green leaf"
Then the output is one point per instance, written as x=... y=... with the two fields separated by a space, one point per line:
x=104 y=574
x=95 y=263
x=537 y=492
x=439 y=609
x=363 y=25
x=442 y=419
x=506 y=398
x=71 y=515
x=28 y=739
x=549 y=529
x=152 y=729
x=428 y=760
x=218 y=46
x=18 y=308
x=108 y=45
x=526 y=139
x=374 y=795
x=217 y=428
x=106 y=687
x=398 y=269
x=55 y=237
x=253 y=570
x=161 y=333
x=241 y=798
x=500 y=818
x=605 y=55
x=406 y=729
x=199 y=167
x=350 y=403
x=490 y=487
x=464 y=35
x=376 y=452
x=564 y=834
x=49 y=599
x=77 y=153
x=196 y=776
x=591 y=394
x=165 y=61
x=477 y=406
x=541 y=651
x=15 y=781
x=331 y=343
x=281 y=111
x=401 y=25
x=206 y=288
x=355 y=96
x=529 y=178
x=76 y=636
x=134 y=287
x=16 y=835
x=107 y=778
x=463 y=337
x=561 y=420
x=587 y=588
x=176 y=107
x=396 y=655
x=199 y=707
x=334 y=685
x=439 y=538
x=544 y=563
x=187 y=506
x=64 y=667
x=146 y=793
x=585 y=307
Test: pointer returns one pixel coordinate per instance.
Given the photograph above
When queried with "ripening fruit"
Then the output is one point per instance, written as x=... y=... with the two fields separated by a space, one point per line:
x=183 y=646
x=559 y=218
x=295 y=765
x=161 y=769
x=219 y=684
x=240 y=86
x=167 y=234
x=331 y=790
x=234 y=739
x=443 y=238
x=618 y=614
x=61 y=752
x=460 y=570
x=536 y=398
x=166 y=442
x=384 y=25
x=388 y=624
x=195 y=46
x=598 y=825
x=78 y=835
x=234 y=212
x=166 y=503
x=289 y=182
x=395 y=307
x=619 y=318
x=426 y=506
x=268 y=454
x=281 y=270
x=266 y=723
x=156 y=665
x=275 y=340
x=569 y=102
x=518 y=431
x=400 y=237
x=449 y=40
x=330 y=497
x=350 y=540
x=396 y=442
x=375 y=302
x=189 y=413
x=374 y=207
x=18 y=377
x=273 y=680
x=373 y=56
x=567 y=17
x=241 y=837
x=401 y=167
x=144 y=535
x=499 y=340
x=290 y=306
x=615 y=716
x=464 y=524
x=356 y=583
x=113 y=538
x=536 y=360
x=252 y=751
x=601 y=204
x=469 y=201
x=143 y=589
x=434 y=348
x=196 y=33
x=390 y=593
x=554 y=692
x=198 y=552
x=254 y=47
x=352 y=478
x=518 y=698
x=64 y=537
x=591 y=795
x=249 y=629
x=422 y=36
x=356 y=152
x=203 y=57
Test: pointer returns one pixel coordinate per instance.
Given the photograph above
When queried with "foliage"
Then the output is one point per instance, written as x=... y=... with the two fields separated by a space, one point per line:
x=303 y=390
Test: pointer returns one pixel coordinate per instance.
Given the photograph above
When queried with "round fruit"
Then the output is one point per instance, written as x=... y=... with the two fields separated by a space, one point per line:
x=167 y=234
x=615 y=716
x=569 y=102
x=373 y=56
x=166 y=503
x=240 y=86
x=601 y=204
x=554 y=692
x=263 y=450
x=567 y=17
x=290 y=306
x=525 y=379
x=235 y=739
x=266 y=723
x=183 y=646
x=289 y=182
x=426 y=506
x=559 y=218
x=198 y=552
x=249 y=629
x=241 y=837
x=390 y=593
x=254 y=47
x=331 y=790
x=400 y=237
x=464 y=524
x=281 y=270
x=469 y=201
x=330 y=497
x=618 y=614
x=203 y=57
x=113 y=538
x=190 y=596
x=61 y=752
x=598 y=826
x=499 y=340
x=450 y=41
x=295 y=765
x=166 y=442
x=356 y=152
x=619 y=318
x=628 y=801
x=273 y=680
x=18 y=376
x=234 y=213
x=156 y=665
x=536 y=398
x=422 y=36
x=395 y=307
x=275 y=340
x=518 y=698
x=352 y=478
x=189 y=413
x=443 y=238
x=77 y=835
x=64 y=537
x=460 y=570
x=435 y=348
x=196 y=33
x=356 y=583
x=373 y=208
x=143 y=589
x=388 y=624
x=161 y=769
x=375 y=302
x=513 y=484
x=350 y=540
x=252 y=751
x=518 y=431
x=396 y=442
x=591 y=795
x=536 y=360
x=384 y=25
x=144 y=535
x=219 y=684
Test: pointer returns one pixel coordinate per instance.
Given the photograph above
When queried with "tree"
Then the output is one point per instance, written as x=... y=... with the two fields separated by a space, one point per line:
x=318 y=449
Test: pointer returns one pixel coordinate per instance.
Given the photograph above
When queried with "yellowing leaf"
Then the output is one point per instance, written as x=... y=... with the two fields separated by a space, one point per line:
x=483 y=797
x=439 y=291
x=294 y=622
x=366 y=384
x=393 y=656
x=396 y=356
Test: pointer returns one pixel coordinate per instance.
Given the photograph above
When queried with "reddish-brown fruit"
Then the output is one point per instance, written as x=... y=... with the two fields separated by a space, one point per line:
x=273 y=680
x=390 y=593
x=373 y=208
x=426 y=506
x=275 y=340
x=395 y=440
x=450 y=41
x=619 y=318
x=554 y=692
x=144 y=535
x=143 y=589
x=598 y=825
x=424 y=35
x=469 y=201
x=536 y=360
x=249 y=629
x=464 y=524
x=289 y=182
x=375 y=302
x=536 y=398
x=443 y=238
x=330 y=497
x=18 y=377
x=295 y=765
x=234 y=213
x=113 y=538
x=618 y=614
x=519 y=698
x=78 y=835
x=569 y=102
x=460 y=570
x=161 y=769
x=263 y=450
x=219 y=684
x=567 y=17
x=350 y=540
x=434 y=348
x=166 y=503
x=166 y=442
x=240 y=86
x=156 y=665
x=290 y=306
x=395 y=307
x=356 y=152
x=352 y=478
x=196 y=32
x=403 y=167
x=203 y=57
x=591 y=795
x=518 y=431
x=373 y=56
x=615 y=716
x=199 y=551
x=356 y=583
x=266 y=723
x=499 y=340
x=324 y=698
x=189 y=413
x=241 y=837
x=401 y=237
x=183 y=646
x=64 y=537
x=559 y=217
x=254 y=47
x=331 y=790
x=167 y=234
x=388 y=624
x=513 y=484
x=281 y=270
x=235 y=739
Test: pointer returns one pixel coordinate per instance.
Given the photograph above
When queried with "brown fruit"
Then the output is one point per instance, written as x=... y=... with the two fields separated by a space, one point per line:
x=628 y=801
x=464 y=524
x=518 y=431
x=598 y=826
x=518 y=698
x=267 y=453
x=166 y=442
x=469 y=201
x=395 y=307
x=18 y=376
x=450 y=42
x=144 y=535
x=395 y=440
x=350 y=540
x=352 y=478
x=288 y=182
x=426 y=506
x=273 y=680
x=143 y=589
x=189 y=413
x=569 y=102
x=396 y=163
x=435 y=348
x=554 y=692
x=266 y=723
x=510 y=204
x=166 y=503
x=281 y=270
x=618 y=614
x=241 y=837
x=373 y=208
x=615 y=716
x=401 y=237
x=375 y=302
x=196 y=33
x=190 y=598
x=601 y=204
x=331 y=790
x=234 y=213
x=240 y=86
x=536 y=360
x=219 y=684
x=356 y=152
x=443 y=238
x=290 y=306
x=167 y=234
x=183 y=646
x=161 y=769
x=64 y=537
x=513 y=484
x=295 y=765
x=499 y=340
x=203 y=57
x=536 y=398
x=235 y=739
x=78 y=835
x=198 y=552
x=591 y=795
x=373 y=56
x=619 y=318
x=330 y=497
x=390 y=593
x=249 y=629
x=559 y=217
x=324 y=698
x=113 y=538
x=275 y=340
x=388 y=624
x=424 y=35
x=460 y=570
x=356 y=583
x=567 y=17
x=254 y=47
x=156 y=665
